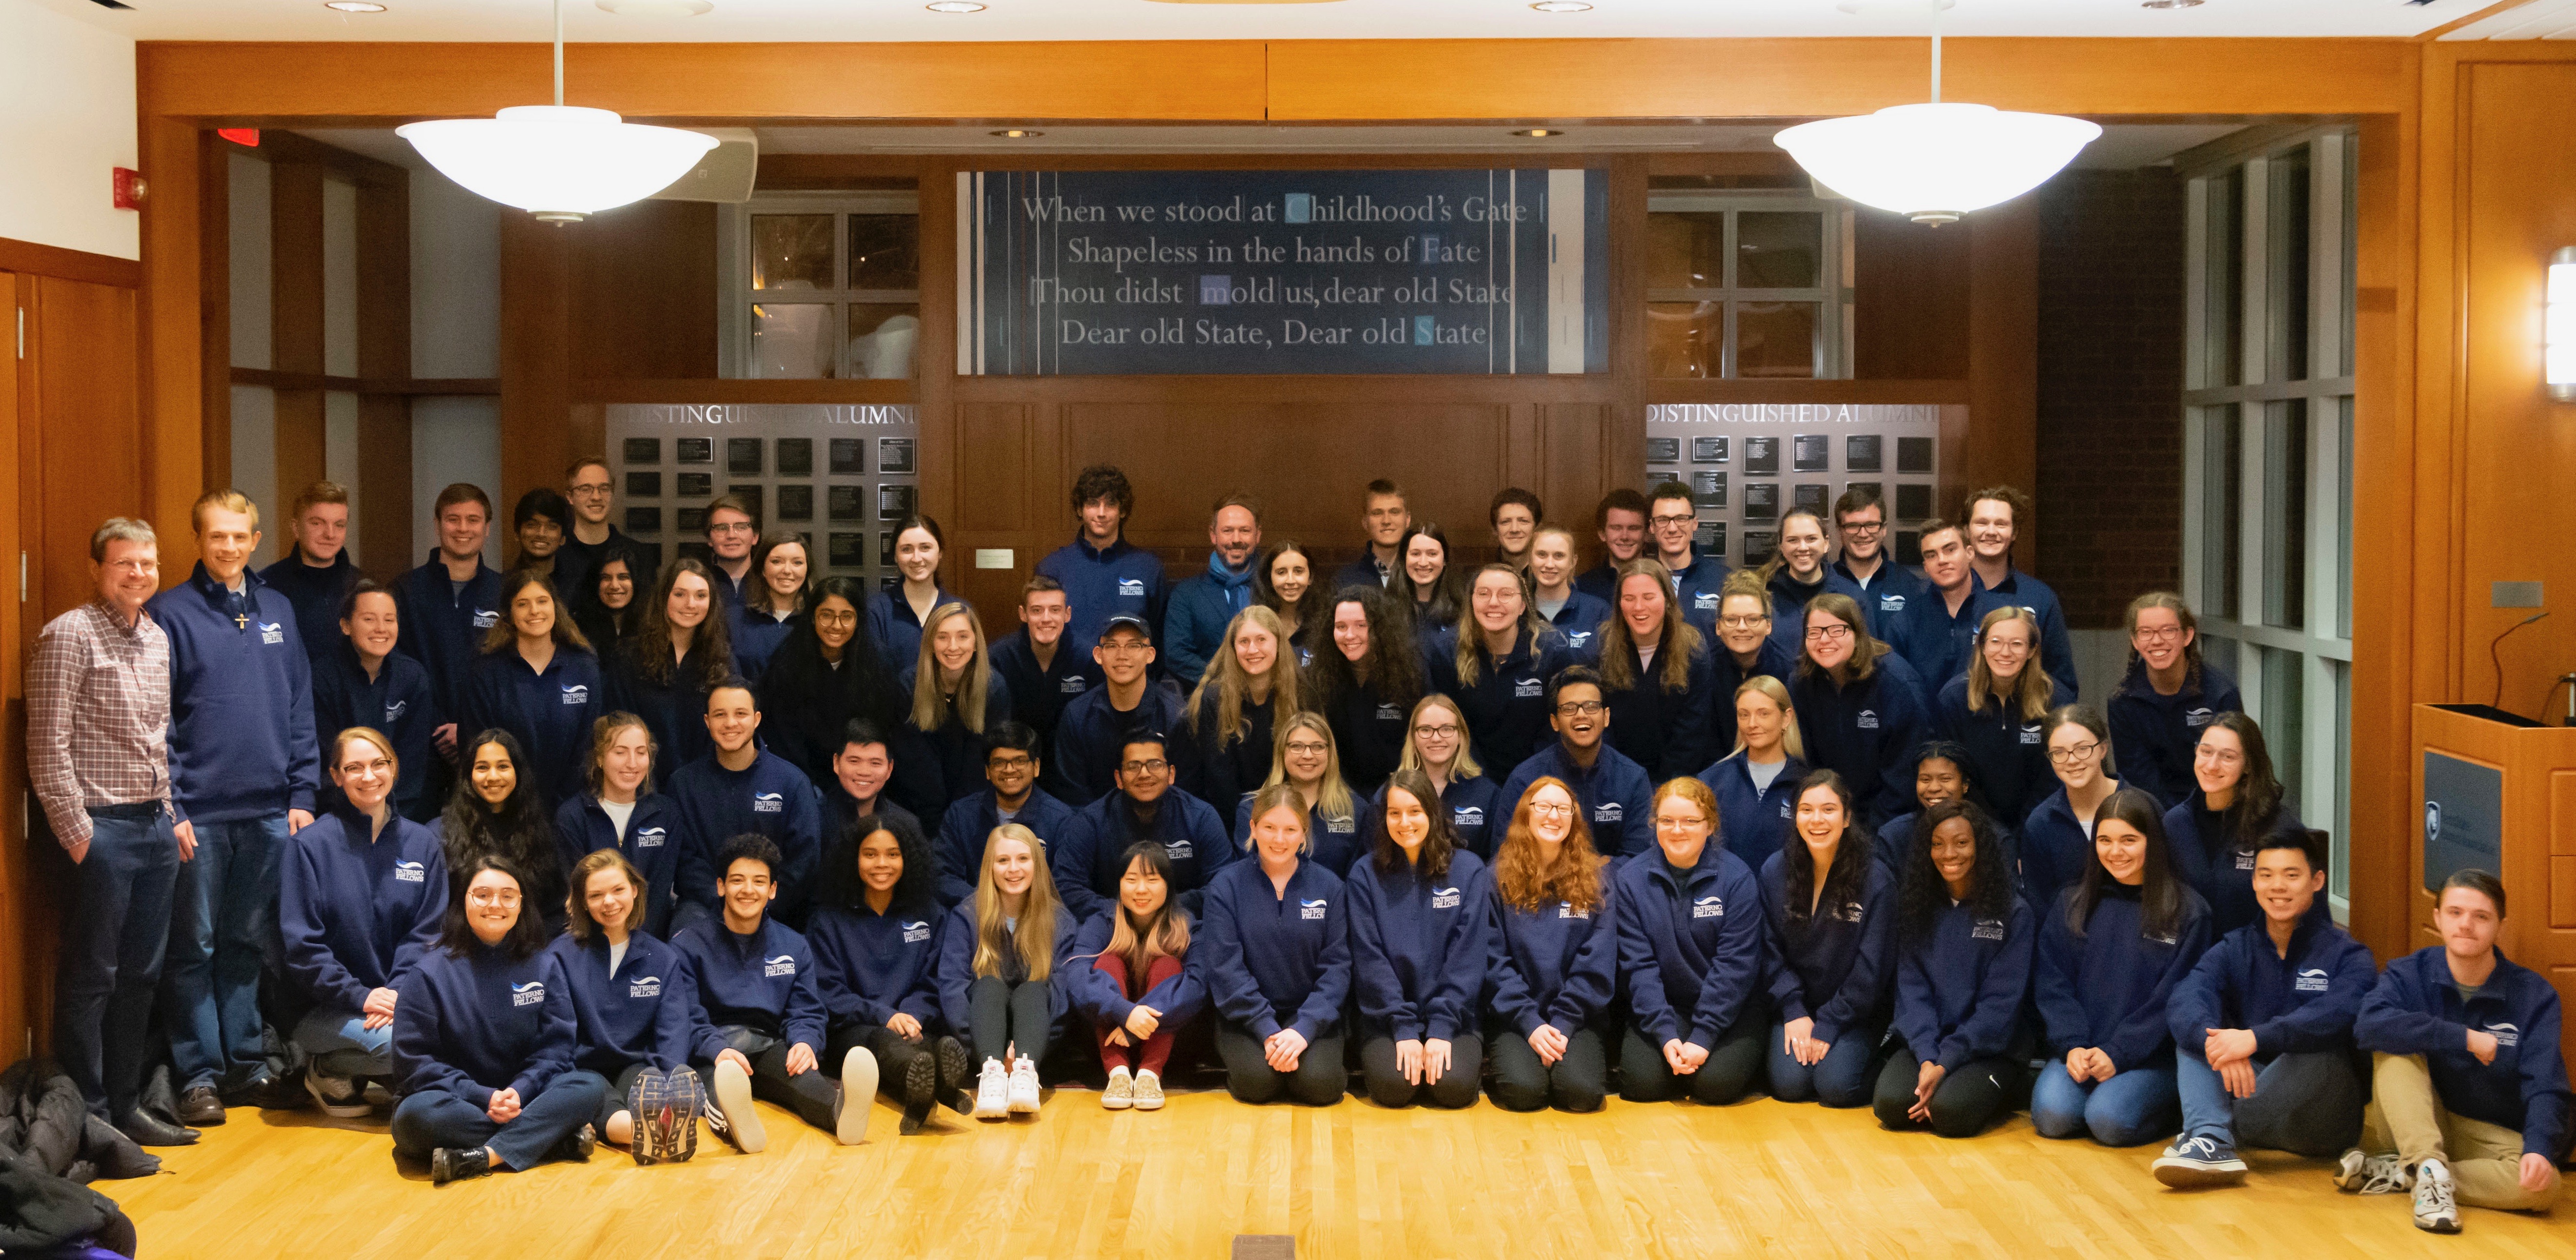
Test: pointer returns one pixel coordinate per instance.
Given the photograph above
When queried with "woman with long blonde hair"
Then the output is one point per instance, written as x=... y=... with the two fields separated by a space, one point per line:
x=1139 y=988
x=1756 y=783
x=1657 y=675
x=956 y=698
x=1996 y=710
x=1000 y=954
x=1497 y=668
x=1555 y=957
x=1435 y=747
x=1250 y=688
x=1277 y=959
x=1305 y=760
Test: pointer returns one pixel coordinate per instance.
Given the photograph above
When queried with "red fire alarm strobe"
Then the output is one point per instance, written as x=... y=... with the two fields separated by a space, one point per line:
x=129 y=189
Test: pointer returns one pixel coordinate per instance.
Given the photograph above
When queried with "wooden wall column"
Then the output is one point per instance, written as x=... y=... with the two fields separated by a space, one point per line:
x=296 y=333
x=384 y=353
x=536 y=359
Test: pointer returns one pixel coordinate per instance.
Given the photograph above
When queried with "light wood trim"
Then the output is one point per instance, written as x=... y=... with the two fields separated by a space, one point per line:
x=185 y=308
x=30 y=258
x=21 y=491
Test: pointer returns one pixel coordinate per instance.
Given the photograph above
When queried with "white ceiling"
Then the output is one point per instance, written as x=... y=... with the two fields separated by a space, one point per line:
x=2123 y=146
x=899 y=20
x=2536 y=19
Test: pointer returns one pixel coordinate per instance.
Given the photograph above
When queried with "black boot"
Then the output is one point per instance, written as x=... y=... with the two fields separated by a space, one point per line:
x=150 y=1130
x=920 y=1092
x=576 y=1145
x=450 y=1163
x=955 y=1067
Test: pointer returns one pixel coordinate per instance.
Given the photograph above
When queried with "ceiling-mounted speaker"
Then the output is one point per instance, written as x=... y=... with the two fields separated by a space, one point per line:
x=724 y=174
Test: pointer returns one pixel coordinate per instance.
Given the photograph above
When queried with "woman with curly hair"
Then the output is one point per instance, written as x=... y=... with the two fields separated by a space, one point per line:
x=496 y=811
x=875 y=960
x=663 y=672
x=1963 y=949
x=1554 y=957
x=1367 y=677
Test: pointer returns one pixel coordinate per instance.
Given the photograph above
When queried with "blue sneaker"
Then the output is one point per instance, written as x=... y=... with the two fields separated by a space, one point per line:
x=2198 y=1161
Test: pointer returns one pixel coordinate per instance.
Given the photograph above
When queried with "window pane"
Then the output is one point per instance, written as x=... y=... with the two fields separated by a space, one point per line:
x=2340 y=882
x=794 y=340
x=2285 y=240
x=791 y=251
x=1682 y=338
x=2222 y=541
x=885 y=252
x=2224 y=331
x=2343 y=523
x=882 y=339
x=2220 y=654
x=1686 y=250
x=2285 y=721
x=2285 y=514
x=1775 y=339
x=1778 y=249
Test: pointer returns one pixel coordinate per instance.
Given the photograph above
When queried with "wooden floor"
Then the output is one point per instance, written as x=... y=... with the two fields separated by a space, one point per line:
x=1348 y=1181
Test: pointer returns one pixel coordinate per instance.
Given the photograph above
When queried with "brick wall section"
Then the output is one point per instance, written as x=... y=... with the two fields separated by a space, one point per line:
x=2110 y=387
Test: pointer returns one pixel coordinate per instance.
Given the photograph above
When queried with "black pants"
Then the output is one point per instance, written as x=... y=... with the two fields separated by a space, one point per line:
x=1578 y=1082
x=894 y=1052
x=1722 y=1078
x=1455 y=1088
x=1319 y=1080
x=1002 y=1016
x=1969 y=1097
x=809 y=1095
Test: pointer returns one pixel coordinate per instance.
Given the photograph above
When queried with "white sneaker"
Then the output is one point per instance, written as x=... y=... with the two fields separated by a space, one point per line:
x=1121 y=1093
x=337 y=1095
x=2357 y=1173
x=858 y=1096
x=1024 y=1087
x=733 y=1116
x=2437 y=1208
x=993 y=1092
x=1149 y=1092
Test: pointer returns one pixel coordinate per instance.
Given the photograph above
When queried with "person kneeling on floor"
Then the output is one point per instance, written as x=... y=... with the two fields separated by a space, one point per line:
x=2464 y=1050
x=756 y=1019
x=489 y=1004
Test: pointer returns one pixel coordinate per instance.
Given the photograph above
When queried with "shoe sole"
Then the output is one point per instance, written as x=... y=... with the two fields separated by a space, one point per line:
x=678 y=1140
x=1111 y=1103
x=920 y=1085
x=1000 y=1109
x=2194 y=1175
x=858 y=1096
x=954 y=1069
x=1149 y=1104
x=643 y=1100
x=341 y=1111
x=733 y=1098
x=2451 y=1227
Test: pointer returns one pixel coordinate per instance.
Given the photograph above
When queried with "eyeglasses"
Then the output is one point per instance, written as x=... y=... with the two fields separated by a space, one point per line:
x=1680 y=824
x=2161 y=634
x=1580 y=708
x=1309 y=747
x=377 y=766
x=1676 y=520
x=2218 y=756
x=1852 y=528
x=1745 y=623
x=2073 y=753
x=1828 y=634
x=1123 y=647
x=825 y=617
x=493 y=897
x=1549 y=809
x=1019 y=761
x=1443 y=731
x=598 y=491
x=1155 y=766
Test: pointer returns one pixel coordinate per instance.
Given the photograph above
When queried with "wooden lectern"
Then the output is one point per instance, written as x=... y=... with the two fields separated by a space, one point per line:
x=2499 y=793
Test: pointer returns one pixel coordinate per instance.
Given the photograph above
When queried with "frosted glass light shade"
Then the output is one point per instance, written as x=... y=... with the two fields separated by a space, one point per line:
x=560 y=162
x=2559 y=326
x=1933 y=163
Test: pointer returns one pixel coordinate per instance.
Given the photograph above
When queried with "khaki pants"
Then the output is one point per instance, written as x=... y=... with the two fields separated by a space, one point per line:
x=2407 y=1117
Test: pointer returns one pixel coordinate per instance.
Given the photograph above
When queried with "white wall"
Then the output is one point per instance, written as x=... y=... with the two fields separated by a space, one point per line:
x=452 y=440
x=455 y=283
x=67 y=90
x=253 y=282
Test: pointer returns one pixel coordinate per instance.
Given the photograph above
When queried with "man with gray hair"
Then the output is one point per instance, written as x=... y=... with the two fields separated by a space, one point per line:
x=98 y=722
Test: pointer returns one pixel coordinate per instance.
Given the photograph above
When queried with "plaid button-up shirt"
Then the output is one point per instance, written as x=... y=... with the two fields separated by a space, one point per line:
x=98 y=716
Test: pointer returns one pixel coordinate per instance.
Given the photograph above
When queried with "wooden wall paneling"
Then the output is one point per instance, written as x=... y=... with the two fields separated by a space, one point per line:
x=2003 y=366
x=1910 y=291
x=643 y=291
x=1623 y=422
x=31 y=258
x=295 y=318
x=947 y=466
x=384 y=353
x=18 y=491
x=993 y=463
x=184 y=309
x=536 y=358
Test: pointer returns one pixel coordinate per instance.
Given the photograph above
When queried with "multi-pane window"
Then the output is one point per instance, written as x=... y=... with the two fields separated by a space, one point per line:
x=2267 y=405
x=1746 y=284
x=823 y=286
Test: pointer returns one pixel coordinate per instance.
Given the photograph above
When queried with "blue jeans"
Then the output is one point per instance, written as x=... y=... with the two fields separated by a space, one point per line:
x=2307 y=1104
x=113 y=941
x=223 y=920
x=2134 y=1106
x=1843 y=1078
x=342 y=1045
x=434 y=1118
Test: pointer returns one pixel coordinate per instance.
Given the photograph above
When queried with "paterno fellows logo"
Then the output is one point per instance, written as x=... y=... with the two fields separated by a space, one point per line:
x=768 y=803
x=783 y=965
x=529 y=994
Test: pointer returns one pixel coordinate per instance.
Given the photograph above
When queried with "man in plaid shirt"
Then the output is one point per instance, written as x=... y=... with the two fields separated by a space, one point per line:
x=98 y=721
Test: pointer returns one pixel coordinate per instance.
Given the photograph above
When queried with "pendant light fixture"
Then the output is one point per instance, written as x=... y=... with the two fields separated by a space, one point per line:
x=558 y=162
x=1935 y=162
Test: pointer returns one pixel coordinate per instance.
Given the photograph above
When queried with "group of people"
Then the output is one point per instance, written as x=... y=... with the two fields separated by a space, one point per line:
x=582 y=852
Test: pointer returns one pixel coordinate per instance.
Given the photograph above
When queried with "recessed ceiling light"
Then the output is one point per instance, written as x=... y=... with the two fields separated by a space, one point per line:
x=353 y=6
x=657 y=8
x=1561 y=6
x=1538 y=133
x=1015 y=133
x=954 y=6
x=2170 y=4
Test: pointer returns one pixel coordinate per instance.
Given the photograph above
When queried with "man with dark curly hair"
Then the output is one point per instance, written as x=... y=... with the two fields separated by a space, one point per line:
x=1105 y=575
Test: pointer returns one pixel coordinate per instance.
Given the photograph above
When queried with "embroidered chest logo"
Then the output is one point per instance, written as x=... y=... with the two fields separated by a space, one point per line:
x=1341 y=826
x=2166 y=938
x=1389 y=713
x=1566 y=910
x=1131 y=588
x=410 y=873
x=1071 y=686
x=1444 y=898
x=576 y=694
x=2030 y=735
x=2310 y=980
x=2198 y=717
x=1784 y=807
x=1891 y=603
x=1310 y=909
x=485 y=618
x=1528 y=689
x=650 y=838
x=2505 y=1034
x=644 y=987
x=1867 y=721
x=1467 y=816
x=915 y=932
x=533 y=993
x=1608 y=812
x=1578 y=638
x=1986 y=930
x=395 y=709
x=1851 y=912
x=1704 y=600
x=271 y=632
x=2244 y=861
x=783 y=965
x=1179 y=850
x=768 y=803
x=1709 y=907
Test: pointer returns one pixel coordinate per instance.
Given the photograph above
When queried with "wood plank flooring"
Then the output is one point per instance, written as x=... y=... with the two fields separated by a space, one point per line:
x=1352 y=1180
